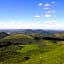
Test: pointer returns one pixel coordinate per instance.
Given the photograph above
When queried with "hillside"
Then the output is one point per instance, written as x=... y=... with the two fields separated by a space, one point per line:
x=3 y=34
x=32 y=54
x=31 y=49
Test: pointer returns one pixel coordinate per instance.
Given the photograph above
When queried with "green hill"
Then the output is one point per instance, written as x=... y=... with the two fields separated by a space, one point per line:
x=30 y=49
x=16 y=39
x=32 y=54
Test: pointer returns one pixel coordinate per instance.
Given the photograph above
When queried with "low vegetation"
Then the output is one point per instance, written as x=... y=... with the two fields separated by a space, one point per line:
x=30 y=49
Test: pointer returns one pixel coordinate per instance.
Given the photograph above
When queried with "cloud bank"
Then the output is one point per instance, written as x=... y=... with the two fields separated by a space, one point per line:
x=32 y=25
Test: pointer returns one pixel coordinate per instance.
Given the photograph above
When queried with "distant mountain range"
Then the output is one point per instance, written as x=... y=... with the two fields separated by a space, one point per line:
x=29 y=31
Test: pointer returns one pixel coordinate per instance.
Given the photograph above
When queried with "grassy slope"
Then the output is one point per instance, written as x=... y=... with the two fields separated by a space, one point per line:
x=17 y=38
x=54 y=56
x=49 y=53
x=27 y=48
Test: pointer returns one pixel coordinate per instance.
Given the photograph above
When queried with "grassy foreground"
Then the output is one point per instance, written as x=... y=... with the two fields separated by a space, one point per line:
x=32 y=54
x=25 y=49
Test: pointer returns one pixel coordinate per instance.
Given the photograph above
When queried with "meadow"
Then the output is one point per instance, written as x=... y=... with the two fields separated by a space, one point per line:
x=30 y=49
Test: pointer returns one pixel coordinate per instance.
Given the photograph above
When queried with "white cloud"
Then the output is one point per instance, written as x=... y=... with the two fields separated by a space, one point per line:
x=40 y=4
x=47 y=5
x=18 y=25
x=47 y=15
x=32 y=25
x=37 y=16
x=53 y=25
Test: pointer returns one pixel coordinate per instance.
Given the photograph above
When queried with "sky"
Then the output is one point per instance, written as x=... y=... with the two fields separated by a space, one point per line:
x=32 y=14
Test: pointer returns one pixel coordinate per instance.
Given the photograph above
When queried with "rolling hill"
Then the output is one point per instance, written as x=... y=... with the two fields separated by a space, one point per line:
x=31 y=48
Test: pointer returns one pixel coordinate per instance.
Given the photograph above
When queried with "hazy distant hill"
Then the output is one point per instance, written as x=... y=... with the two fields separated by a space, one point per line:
x=29 y=31
x=3 y=34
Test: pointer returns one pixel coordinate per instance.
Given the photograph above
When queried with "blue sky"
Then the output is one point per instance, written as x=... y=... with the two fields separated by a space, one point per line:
x=31 y=14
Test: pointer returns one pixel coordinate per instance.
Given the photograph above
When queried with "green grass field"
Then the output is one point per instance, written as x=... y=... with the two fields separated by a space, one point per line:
x=37 y=52
x=47 y=55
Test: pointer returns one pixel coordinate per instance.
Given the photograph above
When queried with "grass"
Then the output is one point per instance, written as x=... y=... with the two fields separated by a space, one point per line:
x=27 y=48
x=38 y=52
x=51 y=54
x=17 y=36
x=54 y=56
